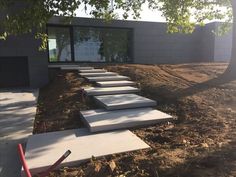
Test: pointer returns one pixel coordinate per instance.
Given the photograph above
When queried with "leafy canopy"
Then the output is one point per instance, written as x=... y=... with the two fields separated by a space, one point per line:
x=181 y=15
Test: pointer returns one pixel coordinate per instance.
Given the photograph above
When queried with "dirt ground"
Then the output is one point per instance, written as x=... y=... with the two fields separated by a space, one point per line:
x=201 y=142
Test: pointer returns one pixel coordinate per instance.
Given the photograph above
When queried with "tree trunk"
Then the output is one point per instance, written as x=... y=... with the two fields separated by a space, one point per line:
x=59 y=54
x=231 y=70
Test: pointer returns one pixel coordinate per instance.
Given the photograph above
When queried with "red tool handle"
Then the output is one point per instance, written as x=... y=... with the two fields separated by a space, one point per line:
x=22 y=158
x=58 y=162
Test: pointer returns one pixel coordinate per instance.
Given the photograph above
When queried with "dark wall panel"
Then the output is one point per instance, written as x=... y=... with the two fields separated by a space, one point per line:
x=27 y=45
x=14 y=72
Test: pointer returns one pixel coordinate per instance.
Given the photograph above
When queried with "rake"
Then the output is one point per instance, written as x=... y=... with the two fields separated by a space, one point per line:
x=44 y=173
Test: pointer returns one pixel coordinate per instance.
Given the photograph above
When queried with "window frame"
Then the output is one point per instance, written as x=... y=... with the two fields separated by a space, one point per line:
x=71 y=30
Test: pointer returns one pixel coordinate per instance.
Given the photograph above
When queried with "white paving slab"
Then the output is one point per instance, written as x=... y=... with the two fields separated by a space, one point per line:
x=101 y=120
x=43 y=150
x=96 y=74
x=93 y=91
x=17 y=114
x=85 y=68
x=93 y=71
x=107 y=78
x=124 y=101
x=69 y=67
x=75 y=68
x=115 y=83
x=60 y=65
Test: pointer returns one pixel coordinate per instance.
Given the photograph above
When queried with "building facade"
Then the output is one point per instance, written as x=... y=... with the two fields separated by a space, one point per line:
x=85 y=40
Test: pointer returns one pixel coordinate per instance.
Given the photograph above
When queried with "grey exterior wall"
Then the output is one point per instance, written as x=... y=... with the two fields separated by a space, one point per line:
x=26 y=45
x=153 y=45
x=206 y=43
x=215 y=48
x=222 y=46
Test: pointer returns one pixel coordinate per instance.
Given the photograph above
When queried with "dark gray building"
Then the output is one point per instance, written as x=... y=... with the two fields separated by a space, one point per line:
x=85 y=40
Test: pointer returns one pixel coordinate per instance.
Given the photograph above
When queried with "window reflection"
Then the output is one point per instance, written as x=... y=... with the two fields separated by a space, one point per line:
x=87 y=44
x=91 y=44
x=102 y=44
x=59 y=44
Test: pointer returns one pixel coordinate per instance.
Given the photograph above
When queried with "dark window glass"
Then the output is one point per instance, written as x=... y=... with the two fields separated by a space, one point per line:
x=87 y=44
x=102 y=44
x=59 y=44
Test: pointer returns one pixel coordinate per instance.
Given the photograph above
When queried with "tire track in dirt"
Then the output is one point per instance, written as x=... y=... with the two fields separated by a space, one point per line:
x=173 y=74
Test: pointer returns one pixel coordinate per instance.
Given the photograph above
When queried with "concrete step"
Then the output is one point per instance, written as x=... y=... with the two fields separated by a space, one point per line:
x=93 y=71
x=85 y=68
x=102 y=120
x=75 y=68
x=124 y=101
x=61 y=65
x=93 y=91
x=107 y=78
x=97 y=74
x=115 y=83
x=42 y=150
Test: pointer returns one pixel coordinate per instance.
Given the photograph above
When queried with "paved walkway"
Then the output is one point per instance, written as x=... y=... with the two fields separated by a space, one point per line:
x=17 y=112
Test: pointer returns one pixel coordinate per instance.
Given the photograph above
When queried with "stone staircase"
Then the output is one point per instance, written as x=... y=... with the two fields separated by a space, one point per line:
x=107 y=130
x=122 y=108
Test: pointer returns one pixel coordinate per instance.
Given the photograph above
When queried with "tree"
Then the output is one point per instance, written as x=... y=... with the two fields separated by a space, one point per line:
x=181 y=15
x=231 y=68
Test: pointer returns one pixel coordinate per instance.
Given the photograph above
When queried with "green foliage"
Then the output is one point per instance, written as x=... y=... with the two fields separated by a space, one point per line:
x=184 y=15
x=44 y=40
x=181 y=15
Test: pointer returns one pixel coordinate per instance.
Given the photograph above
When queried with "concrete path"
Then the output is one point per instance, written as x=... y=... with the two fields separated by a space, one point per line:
x=17 y=113
x=115 y=83
x=73 y=67
x=107 y=78
x=93 y=71
x=94 y=91
x=102 y=120
x=85 y=68
x=98 y=74
x=44 y=149
x=124 y=101
x=61 y=66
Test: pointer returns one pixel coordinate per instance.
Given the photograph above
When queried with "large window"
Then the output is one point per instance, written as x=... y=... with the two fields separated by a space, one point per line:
x=90 y=44
x=59 y=44
x=87 y=44
x=102 y=44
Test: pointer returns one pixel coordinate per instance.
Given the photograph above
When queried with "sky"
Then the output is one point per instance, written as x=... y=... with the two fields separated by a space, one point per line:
x=146 y=14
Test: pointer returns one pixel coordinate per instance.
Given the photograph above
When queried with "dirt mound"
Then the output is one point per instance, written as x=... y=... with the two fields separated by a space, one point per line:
x=201 y=142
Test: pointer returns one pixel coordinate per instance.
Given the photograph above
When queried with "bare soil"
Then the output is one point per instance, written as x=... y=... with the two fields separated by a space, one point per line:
x=201 y=142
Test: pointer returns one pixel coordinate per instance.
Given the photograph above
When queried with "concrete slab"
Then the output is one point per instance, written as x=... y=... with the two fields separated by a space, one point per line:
x=101 y=120
x=85 y=68
x=93 y=91
x=75 y=68
x=60 y=65
x=124 y=101
x=115 y=83
x=97 y=74
x=107 y=78
x=17 y=113
x=93 y=71
x=43 y=150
